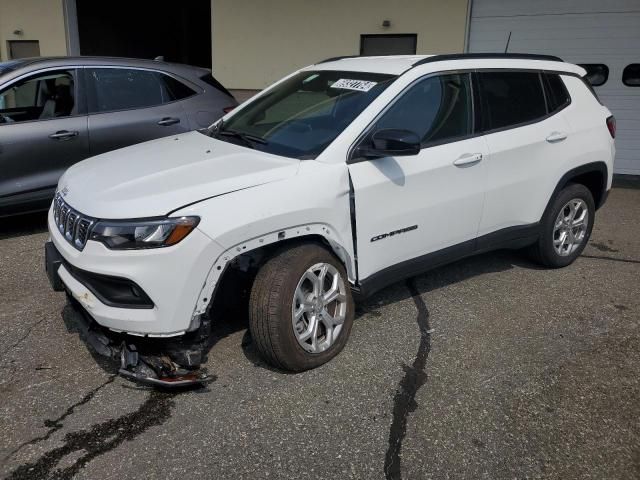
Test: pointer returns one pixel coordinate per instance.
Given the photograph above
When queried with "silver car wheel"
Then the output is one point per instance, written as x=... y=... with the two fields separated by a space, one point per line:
x=319 y=307
x=570 y=227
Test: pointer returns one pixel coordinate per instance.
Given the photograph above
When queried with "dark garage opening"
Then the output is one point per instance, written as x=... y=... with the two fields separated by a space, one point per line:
x=178 y=31
x=388 y=44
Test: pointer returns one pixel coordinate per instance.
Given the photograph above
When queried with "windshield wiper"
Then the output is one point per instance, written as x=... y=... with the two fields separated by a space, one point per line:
x=213 y=130
x=246 y=138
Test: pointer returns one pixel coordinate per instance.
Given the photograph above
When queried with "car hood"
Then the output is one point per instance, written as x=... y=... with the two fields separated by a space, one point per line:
x=154 y=178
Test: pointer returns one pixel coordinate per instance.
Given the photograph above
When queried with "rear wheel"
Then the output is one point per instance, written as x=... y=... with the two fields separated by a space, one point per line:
x=301 y=308
x=566 y=227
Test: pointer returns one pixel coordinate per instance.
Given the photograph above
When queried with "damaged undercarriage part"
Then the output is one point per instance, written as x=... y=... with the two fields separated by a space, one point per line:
x=159 y=362
x=157 y=370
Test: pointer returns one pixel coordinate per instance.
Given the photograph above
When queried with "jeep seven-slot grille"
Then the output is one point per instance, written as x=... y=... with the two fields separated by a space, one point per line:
x=74 y=226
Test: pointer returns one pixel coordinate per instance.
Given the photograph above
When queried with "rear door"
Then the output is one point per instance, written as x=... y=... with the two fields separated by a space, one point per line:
x=527 y=140
x=43 y=131
x=128 y=106
x=411 y=206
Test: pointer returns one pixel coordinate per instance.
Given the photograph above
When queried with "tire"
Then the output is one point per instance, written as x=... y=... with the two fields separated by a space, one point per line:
x=283 y=280
x=544 y=251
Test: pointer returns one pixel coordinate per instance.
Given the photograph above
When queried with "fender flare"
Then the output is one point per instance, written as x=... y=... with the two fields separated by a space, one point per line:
x=599 y=167
x=300 y=231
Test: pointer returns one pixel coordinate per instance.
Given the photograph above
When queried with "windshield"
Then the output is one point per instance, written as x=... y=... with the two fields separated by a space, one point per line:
x=304 y=114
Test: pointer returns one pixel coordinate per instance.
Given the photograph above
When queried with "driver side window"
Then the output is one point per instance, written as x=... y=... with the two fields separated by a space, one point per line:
x=438 y=109
x=39 y=97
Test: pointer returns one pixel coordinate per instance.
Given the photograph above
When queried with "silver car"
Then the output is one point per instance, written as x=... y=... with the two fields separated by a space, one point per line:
x=55 y=112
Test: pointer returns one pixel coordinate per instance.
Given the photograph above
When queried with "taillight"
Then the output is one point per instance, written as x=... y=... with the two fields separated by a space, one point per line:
x=611 y=125
x=227 y=109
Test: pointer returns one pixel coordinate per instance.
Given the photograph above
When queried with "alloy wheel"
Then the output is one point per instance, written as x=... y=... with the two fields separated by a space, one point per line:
x=570 y=227
x=319 y=307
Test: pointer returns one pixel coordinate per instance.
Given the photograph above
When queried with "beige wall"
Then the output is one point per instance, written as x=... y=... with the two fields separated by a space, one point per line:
x=257 y=42
x=41 y=20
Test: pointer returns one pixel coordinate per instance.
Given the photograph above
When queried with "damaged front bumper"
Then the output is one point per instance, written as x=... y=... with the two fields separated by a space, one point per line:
x=149 y=292
x=172 y=362
x=165 y=363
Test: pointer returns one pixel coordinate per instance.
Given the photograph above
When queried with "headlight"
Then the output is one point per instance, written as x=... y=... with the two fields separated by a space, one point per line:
x=134 y=234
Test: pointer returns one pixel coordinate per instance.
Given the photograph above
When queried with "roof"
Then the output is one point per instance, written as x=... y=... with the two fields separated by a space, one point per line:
x=9 y=65
x=44 y=62
x=398 y=64
x=392 y=64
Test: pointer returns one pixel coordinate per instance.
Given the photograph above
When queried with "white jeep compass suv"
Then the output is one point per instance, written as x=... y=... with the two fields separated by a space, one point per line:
x=339 y=179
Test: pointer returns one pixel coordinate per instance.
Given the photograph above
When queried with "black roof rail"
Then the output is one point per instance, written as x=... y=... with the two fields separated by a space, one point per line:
x=465 y=56
x=333 y=59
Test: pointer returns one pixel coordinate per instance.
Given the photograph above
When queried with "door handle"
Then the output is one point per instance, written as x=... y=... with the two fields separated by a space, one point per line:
x=556 y=137
x=166 y=121
x=468 y=159
x=63 y=135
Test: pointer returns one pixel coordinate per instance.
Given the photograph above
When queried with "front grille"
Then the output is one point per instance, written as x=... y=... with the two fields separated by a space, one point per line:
x=73 y=226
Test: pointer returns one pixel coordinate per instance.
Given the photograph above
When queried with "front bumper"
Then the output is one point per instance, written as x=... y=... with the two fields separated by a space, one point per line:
x=171 y=277
x=163 y=363
x=112 y=291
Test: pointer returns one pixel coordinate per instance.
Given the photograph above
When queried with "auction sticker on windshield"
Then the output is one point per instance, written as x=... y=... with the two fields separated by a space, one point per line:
x=360 y=85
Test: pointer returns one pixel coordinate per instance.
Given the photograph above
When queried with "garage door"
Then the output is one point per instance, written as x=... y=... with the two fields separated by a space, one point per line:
x=578 y=31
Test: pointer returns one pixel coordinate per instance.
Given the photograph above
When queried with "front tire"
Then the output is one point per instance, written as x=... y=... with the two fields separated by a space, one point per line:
x=301 y=308
x=566 y=227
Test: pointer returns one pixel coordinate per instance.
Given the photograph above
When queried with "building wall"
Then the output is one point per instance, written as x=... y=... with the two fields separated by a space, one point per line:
x=258 y=42
x=41 y=20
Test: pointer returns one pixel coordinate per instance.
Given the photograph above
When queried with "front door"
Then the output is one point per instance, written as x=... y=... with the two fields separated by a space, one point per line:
x=43 y=131
x=412 y=206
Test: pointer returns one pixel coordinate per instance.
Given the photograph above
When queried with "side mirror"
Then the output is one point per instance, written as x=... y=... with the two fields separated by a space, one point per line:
x=391 y=142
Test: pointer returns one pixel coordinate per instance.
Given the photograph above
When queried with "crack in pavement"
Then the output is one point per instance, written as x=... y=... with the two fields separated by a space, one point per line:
x=56 y=424
x=599 y=257
x=98 y=439
x=603 y=247
x=414 y=377
x=23 y=338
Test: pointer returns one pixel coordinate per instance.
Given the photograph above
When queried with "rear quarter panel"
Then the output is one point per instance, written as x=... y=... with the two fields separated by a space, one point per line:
x=205 y=108
x=590 y=140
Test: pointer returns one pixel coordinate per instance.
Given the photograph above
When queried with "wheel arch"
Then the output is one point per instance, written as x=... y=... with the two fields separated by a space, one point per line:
x=593 y=175
x=262 y=247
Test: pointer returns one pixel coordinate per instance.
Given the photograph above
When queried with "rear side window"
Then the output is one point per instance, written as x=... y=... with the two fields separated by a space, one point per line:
x=597 y=73
x=557 y=94
x=438 y=109
x=112 y=89
x=631 y=75
x=176 y=89
x=208 y=79
x=511 y=98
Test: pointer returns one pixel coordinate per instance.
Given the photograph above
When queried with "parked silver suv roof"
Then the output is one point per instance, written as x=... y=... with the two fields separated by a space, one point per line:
x=18 y=65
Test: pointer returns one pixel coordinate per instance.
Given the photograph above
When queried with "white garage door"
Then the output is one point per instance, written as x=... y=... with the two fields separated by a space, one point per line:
x=578 y=31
